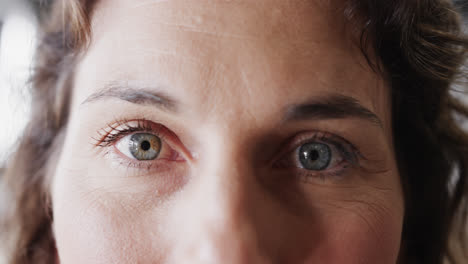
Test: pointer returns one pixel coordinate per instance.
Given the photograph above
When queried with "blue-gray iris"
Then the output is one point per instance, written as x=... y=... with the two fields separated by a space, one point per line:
x=315 y=156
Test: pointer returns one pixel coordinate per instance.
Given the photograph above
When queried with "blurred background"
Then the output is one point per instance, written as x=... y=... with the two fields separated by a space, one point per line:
x=18 y=37
x=18 y=24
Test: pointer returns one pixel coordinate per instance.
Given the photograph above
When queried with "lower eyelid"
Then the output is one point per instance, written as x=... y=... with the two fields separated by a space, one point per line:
x=333 y=174
x=135 y=167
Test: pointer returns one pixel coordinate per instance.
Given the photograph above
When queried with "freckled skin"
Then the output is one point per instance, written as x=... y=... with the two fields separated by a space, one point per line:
x=234 y=66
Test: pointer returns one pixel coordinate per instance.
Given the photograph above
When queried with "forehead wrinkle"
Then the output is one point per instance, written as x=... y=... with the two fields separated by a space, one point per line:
x=284 y=19
x=194 y=29
x=185 y=56
x=144 y=3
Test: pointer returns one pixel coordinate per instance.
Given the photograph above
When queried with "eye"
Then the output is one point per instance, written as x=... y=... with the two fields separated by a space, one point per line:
x=141 y=146
x=314 y=156
x=319 y=154
x=140 y=141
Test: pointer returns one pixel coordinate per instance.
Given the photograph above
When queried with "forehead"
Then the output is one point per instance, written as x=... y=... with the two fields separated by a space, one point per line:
x=249 y=55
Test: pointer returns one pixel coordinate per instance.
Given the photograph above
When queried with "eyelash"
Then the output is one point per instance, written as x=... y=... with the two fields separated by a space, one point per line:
x=119 y=129
x=113 y=132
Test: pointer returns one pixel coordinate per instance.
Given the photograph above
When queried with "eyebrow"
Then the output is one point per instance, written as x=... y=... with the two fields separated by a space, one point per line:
x=331 y=107
x=334 y=106
x=135 y=95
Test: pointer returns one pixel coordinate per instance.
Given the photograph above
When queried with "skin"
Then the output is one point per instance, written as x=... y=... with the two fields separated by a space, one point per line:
x=232 y=70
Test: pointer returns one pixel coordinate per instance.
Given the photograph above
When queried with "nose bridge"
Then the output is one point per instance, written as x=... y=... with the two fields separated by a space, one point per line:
x=226 y=163
x=222 y=190
x=228 y=179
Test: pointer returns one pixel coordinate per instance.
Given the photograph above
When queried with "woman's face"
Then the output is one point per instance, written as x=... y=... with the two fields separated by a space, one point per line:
x=226 y=132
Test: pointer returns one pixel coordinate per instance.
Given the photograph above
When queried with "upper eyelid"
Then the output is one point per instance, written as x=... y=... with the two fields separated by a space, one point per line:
x=339 y=141
x=113 y=132
x=303 y=138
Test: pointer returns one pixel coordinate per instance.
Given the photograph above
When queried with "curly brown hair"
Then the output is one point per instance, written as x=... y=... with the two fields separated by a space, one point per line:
x=419 y=48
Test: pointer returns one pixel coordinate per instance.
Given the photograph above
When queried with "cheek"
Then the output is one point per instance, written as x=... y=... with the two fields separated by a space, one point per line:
x=98 y=226
x=91 y=233
x=362 y=245
x=351 y=237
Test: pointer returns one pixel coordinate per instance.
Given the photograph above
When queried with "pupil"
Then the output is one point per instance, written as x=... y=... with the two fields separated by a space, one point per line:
x=145 y=145
x=314 y=155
